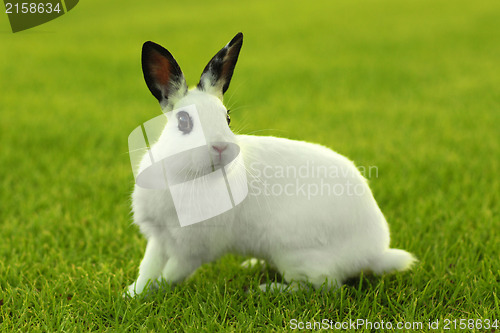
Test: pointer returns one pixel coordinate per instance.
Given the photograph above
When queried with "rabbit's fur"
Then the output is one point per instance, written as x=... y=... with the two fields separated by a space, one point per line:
x=314 y=238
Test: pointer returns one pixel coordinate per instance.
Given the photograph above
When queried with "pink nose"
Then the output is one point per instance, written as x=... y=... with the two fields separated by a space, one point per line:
x=219 y=148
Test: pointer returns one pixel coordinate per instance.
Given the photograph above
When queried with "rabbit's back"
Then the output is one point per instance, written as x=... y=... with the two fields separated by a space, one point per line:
x=304 y=195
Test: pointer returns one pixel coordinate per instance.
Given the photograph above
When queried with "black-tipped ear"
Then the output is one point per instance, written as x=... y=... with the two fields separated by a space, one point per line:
x=217 y=74
x=162 y=74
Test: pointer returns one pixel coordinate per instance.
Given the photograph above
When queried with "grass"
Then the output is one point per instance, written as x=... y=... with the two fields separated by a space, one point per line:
x=412 y=88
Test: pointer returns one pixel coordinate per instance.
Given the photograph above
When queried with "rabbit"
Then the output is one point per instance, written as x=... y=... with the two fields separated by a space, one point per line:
x=307 y=210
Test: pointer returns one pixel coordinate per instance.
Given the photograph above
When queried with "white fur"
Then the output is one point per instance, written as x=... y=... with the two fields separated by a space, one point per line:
x=314 y=239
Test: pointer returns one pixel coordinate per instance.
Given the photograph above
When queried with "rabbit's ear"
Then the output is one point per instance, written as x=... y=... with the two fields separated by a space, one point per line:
x=217 y=74
x=162 y=74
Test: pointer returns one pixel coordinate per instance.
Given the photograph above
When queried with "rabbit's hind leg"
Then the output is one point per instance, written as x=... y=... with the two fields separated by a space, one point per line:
x=252 y=262
x=316 y=267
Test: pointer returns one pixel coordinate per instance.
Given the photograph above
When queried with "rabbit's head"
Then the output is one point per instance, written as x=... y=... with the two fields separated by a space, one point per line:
x=198 y=121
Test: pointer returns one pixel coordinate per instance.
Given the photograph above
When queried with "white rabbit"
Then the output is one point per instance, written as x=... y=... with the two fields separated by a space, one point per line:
x=308 y=211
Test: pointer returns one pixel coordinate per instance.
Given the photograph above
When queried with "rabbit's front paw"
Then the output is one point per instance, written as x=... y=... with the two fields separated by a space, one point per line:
x=130 y=292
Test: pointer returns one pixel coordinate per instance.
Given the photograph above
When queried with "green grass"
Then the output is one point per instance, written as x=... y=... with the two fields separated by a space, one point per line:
x=410 y=87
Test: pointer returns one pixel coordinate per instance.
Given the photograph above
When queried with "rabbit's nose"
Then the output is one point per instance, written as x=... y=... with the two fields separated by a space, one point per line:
x=219 y=147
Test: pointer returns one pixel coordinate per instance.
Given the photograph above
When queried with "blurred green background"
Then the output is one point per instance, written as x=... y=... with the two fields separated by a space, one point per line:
x=410 y=87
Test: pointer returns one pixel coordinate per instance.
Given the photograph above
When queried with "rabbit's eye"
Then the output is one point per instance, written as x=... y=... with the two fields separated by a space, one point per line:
x=185 y=123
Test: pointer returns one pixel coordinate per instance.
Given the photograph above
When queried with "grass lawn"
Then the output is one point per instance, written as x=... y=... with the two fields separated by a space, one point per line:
x=411 y=87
